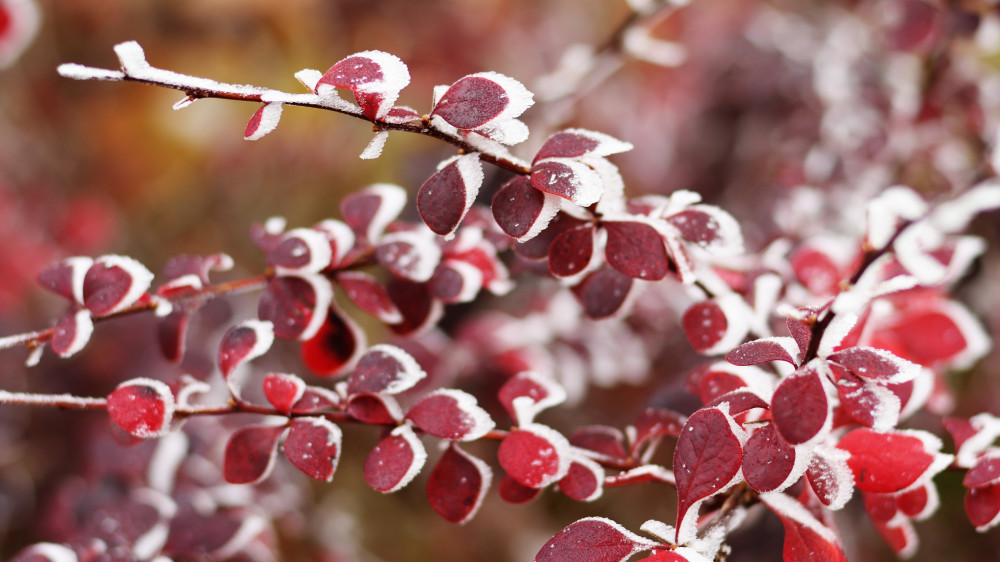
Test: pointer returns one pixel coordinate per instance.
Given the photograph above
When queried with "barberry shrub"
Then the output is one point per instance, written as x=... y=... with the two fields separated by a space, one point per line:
x=770 y=342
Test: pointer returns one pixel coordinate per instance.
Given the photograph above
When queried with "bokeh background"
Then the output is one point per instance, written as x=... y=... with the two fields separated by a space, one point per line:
x=95 y=168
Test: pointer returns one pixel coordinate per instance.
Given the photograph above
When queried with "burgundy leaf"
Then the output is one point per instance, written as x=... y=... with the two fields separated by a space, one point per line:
x=885 y=462
x=806 y=538
x=867 y=403
x=568 y=179
x=385 y=368
x=65 y=277
x=830 y=478
x=636 y=249
x=370 y=210
x=301 y=249
x=982 y=505
x=656 y=422
x=875 y=364
x=295 y=305
x=143 y=407
x=579 y=143
x=375 y=78
x=451 y=414
x=409 y=255
x=244 y=342
x=250 y=453
x=283 y=391
x=706 y=461
x=374 y=408
x=395 y=461
x=800 y=407
x=114 y=283
x=313 y=446
x=512 y=491
x=765 y=350
x=415 y=303
x=534 y=455
x=801 y=332
x=353 y=72
x=767 y=460
x=571 y=251
x=537 y=248
x=696 y=226
x=712 y=381
x=543 y=391
x=369 y=295
x=584 y=481
x=593 y=539
x=316 y=398
x=523 y=211
x=336 y=345
x=472 y=102
x=446 y=196
x=705 y=325
x=739 y=401
x=603 y=292
x=456 y=281
x=72 y=332
x=602 y=439
x=457 y=485
x=171 y=333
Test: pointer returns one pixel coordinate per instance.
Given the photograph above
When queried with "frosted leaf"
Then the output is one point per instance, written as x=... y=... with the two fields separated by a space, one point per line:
x=451 y=414
x=580 y=143
x=375 y=77
x=509 y=132
x=309 y=78
x=835 y=333
x=640 y=44
x=395 y=461
x=183 y=102
x=264 y=121
x=912 y=248
x=412 y=255
x=103 y=290
x=569 y=179
x=479 y=99
x=535 y=455
x=301 y=250
x=830 y=477
x=883 y=213
x=955 y=215
x=370 y=210
x=613 y=197
x=143 y=407
x=72 y=333
x=81 y=72
x=340 y=236
x=787 y=507
x=456 y=281
x=374 y=148
x=444 y=198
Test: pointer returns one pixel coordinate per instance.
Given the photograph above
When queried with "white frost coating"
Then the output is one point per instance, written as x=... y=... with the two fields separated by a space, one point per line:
x=83 y=329
x=395 y=77
x=883 y=213
x=640 y=44
x=28 y=399
x=151 y=542
x=555 y=393
x=912 y=246
x=53 y=552
x=675 y=247
x=835 y=333
x=270 y=115
x=166 y=396
x=596 y=469
x=932 y=504
x=410 y=374
x=34 y=355
x=655 y=471
x=419 y=261
x=340 y=236
x=75 y=71
x=606 y=144
x=729 y=236
x=486 y=478
x=840 y=472
x=393 y=201
x=472 y=280
x=334 y=436
x=482 y=423
x=419 y=456
x=550 y=207
x=988 y=429
x=189 y=387
x=141 y=278
x=900 y=522
x=955 y=215
x=470 y=169
x=323 y=290
x=789 y=507
x=659 y=529
x=183 y=102
x=613 y=198
x=264 y=331
x=78 y=267
x=678 y=201
x=905 y=370
x=320 y=252
x=766 y=292
x=170 y=452
x=309 y=77
x=132 y=57
x=509 y=131
x=275 y=225
x=374 y=148
x=886 y=408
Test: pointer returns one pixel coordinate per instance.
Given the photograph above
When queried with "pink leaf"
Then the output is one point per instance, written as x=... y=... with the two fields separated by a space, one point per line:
x=603 y=292
x=982 y=505
x=885 y=462
x=395 y=461
x=296 y=305
x=263 y=121
x=568 y=179
x=800 y=407
x=313 y=446
x=374 y=408
x=334 y=347
x=283 y=391
x=143 y=407
x=250 y=454
x=767 y=460
x=114 y=283
x=765 y=350
x=706 y=461
x=512 y=491
x=451 y=414
x=593 y=539
x=636 y=249
x=523 y=211
x=385 y=368
x=409 y=254
x=477 y=99
x=457 y=485
x=446 y=196
x=571 y=251
x=370 y=296
x=806 y=538
x=244 y=342
x=584 y=481
x=370 y=210
x=72 y=332
x=534 y=455
x=580 y=143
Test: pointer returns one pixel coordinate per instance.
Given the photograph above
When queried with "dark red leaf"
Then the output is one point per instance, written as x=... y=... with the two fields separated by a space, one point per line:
x=290 y=304
x=313 y=446
x=370 y=295
x=571 y=251
x=568 y=179
x=767 y=460
x=263 y=121
x=517 y=207
x=534 y=455
x=603 y=292
x=566 y=144
x=869 y=404
x=915 y=502
x=656 y=422
x=960 y=430
x=542 y=390
x=799 y=406
x=985 y=472
x=171 y=333
x=705 y=325
x=740 y=401
x=447 y=195
x=711 y=381
x=696 y=226
x=457 y=485
x=885 y=462
x=395 y=461
x=472 y=102
x=71 y=333
x=244 y=342
x=636 y=249
x=512 y=491
x=801 y=332
x=594 y=539
x=334 y=347
x=352 y=72
x=283 y=391
x=301 y=249
x=537 y=248
x=374 y=408
x=368 y=211
x=584 y=481
x=875 y=364
x=806 y=539
x=409 y=255
x=250 y=454
x=456 y=281
x=830 y=478
x=142 y=407
x=765 y=350
x=316 y=398
x=114 y=283
x=982 y=505
x=385 y=368
x=450 y=414
x=65 y=277
x=603 y=439
x=415 y=303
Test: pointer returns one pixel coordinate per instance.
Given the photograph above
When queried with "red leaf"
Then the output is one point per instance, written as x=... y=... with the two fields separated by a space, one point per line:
x=409 y=255
x=712 y=381
x=457 y=485
x=806 y=539
x=767 y=460
x=799 y=406
x=316 y=398
x=875 y=364
x=542 y=389
x=395 y=461
x=374 y=408
x=65 y=277
x=263 y=121
x=369 y=295
x=72 y=332
x=534 y=455
x=522 y=211
x=602 y=439
x=368 y=211
x=705 y=325
x=697 y=226
x=899 y=535
x=537 y=248
x=740 y=401
x=471 y=102
x=283 y=391
x=244 y=342
x=880 y=507
x=313 y=446
x=143 y=407
x=250 y=454
x=375 y=78
x=706 y=461
x=593 y=539
x=301 y=249
x=336 y=345
x=171 y=333
x=584 y=481
x=656 y=422
x=885 y=462
x=114 y=283
x=579 y=143
x=867 y=403
x=830 y=478
x=982 y=505
x=815 y=270
x=451 y=414
x=568 y=179
x=765 y=350
x=295 y=305
x=636 y=249
x=415 y=302
x=933 y=335
x=603 y=292
x=512 y=491
x=985 y=472
x=571 y=251
x=447 y=195
x=385 y=368
x=456 y=281
x=353 y=72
